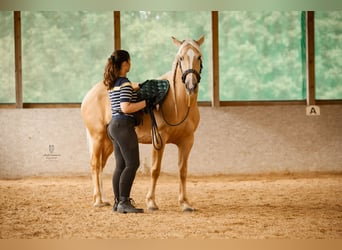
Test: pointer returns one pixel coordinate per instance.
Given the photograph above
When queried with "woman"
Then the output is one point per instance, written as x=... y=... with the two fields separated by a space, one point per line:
x=121 y=129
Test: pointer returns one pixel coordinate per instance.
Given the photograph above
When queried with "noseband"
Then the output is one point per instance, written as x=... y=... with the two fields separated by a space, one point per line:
x=189 y=71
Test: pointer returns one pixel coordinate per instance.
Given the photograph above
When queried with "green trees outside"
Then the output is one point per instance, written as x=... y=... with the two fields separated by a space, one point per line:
x=64 y=53
x=262 y=54
x=147 y=35
x=7 y=76
x=328 y=54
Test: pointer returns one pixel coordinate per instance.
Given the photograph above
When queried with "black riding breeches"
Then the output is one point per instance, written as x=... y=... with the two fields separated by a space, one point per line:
x=126 y=151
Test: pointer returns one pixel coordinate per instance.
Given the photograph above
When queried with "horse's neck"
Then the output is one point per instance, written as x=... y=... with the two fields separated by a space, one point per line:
x=179 y=88
x=180 y=100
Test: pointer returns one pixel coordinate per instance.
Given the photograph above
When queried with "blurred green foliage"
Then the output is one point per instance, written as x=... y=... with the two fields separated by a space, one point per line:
x=7 y=69
x=260 y=53
x=64 y=53
x=147 y=36
x=328 y=54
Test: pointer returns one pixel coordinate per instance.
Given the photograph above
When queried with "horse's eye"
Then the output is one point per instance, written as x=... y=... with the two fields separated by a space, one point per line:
x=181 y=58
x=200 y=58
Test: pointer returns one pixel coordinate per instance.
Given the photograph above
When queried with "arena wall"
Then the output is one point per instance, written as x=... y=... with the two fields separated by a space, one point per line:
x=229 y=140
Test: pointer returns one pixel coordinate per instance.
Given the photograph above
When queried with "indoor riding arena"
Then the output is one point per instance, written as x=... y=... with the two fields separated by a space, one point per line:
x=266 y=161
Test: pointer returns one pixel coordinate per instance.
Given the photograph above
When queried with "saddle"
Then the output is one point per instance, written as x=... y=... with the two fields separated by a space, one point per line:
x=154 y=92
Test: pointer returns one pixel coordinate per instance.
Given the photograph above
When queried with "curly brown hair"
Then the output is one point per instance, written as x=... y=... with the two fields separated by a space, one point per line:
x=113 y=67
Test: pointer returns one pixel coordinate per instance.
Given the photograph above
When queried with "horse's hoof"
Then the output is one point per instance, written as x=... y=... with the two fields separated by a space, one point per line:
x=102 y=204
x=189 y=209
x=151 y=205
x=153 y=209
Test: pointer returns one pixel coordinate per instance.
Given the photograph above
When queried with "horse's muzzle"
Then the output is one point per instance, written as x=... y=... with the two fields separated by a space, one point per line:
x=191 y=79
x=191 y=85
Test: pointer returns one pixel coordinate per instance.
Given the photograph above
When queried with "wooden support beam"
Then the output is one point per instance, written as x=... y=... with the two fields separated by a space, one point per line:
x=215 y=60
x=117 y=30
x=310 y=58
x=17 y=59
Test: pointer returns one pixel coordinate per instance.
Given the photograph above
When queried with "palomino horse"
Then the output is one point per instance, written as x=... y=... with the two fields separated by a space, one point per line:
x=177 y=118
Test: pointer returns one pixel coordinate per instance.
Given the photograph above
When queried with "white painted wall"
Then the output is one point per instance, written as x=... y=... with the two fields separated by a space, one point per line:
x=229 y=140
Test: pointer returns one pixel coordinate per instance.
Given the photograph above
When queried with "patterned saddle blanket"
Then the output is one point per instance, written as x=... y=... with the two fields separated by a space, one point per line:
x=153 y=89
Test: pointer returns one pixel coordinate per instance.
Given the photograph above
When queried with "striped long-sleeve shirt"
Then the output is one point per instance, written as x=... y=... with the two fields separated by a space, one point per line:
x=121 y=92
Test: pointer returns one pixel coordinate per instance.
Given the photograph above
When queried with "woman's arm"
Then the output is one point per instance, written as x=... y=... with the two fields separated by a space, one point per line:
x=131 y=107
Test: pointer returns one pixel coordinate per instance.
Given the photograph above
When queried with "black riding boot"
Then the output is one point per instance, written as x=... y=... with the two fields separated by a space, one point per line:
x=116 y=203
x=125 y=206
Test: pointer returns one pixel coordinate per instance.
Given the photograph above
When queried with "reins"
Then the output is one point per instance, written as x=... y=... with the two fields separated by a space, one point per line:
x=178 y=123
x=184 y=74
x=157 y=140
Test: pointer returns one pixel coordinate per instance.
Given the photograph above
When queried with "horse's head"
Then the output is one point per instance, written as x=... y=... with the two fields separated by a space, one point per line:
x=189 y=60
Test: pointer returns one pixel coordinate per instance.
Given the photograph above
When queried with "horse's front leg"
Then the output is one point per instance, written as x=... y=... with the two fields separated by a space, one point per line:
x=184 y=149
x=157 y=156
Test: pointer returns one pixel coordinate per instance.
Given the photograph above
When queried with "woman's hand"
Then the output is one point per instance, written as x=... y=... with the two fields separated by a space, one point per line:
x=135 y=86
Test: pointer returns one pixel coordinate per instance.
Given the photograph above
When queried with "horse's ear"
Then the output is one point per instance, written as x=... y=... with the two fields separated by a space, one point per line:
x=200 y=40
x=176 y=41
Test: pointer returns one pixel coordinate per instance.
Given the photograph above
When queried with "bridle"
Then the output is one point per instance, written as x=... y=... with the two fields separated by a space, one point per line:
x=189 y=71
x=184 y=75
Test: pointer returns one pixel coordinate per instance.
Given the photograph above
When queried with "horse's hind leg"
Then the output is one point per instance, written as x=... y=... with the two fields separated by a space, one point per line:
x=157 y=156
x=97 y=167
x=106 y=152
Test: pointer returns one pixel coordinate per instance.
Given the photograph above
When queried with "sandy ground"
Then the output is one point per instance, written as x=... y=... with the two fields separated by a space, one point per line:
x=228 y=207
